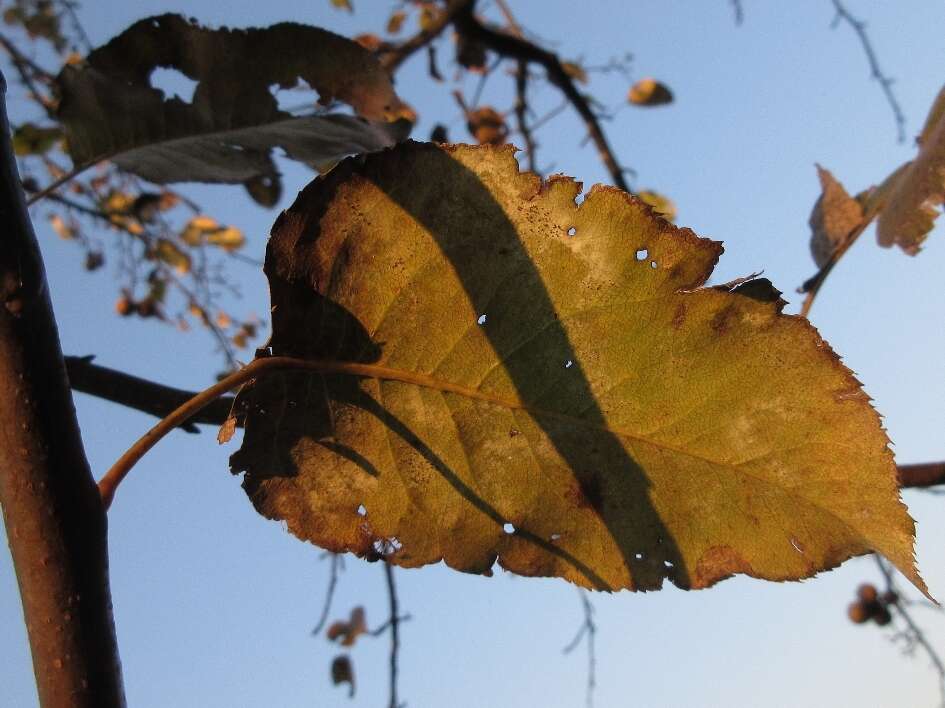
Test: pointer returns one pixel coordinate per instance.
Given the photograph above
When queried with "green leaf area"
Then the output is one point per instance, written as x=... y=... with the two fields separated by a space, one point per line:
x=549 y=386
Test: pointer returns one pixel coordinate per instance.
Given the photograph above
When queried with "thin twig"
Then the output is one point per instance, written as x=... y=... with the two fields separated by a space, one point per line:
x=329 y=594
x=915 y=635
x=589 y=628
x=738 y=10
x=521 y=113
x=520 y=49
x=72 y=174
x=394 y=632
x=921 y=475
x=521 y=90
x=876 y=71
x=24 y=66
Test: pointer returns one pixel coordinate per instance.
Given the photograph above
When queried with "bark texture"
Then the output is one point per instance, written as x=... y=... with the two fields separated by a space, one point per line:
x=55 y=522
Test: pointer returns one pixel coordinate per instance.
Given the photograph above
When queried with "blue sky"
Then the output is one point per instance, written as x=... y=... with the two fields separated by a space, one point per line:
x=214 y=604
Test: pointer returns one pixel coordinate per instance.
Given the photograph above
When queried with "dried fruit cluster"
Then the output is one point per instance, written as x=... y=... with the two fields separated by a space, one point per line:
x=871 y=605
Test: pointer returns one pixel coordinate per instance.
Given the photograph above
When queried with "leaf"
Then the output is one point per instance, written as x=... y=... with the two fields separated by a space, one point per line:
x=518 y=378
x=348 y=632
x=396 y=21
x=649 y=92
x=487 y=126
x=31 y=139
x=834 y=216
x=168 y=252
x=661 y=204
x=109 y=108
x=575 y=71
x=343 y=672
x=915 y=190
x=343 y=5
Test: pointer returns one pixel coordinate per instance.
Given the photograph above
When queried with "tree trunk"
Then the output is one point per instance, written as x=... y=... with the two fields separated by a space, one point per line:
x=55 y=523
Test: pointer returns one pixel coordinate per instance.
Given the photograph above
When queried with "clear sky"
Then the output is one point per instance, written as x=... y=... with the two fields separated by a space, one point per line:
x=214 y=604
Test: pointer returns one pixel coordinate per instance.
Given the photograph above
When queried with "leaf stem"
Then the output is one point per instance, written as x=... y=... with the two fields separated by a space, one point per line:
x=813 y=284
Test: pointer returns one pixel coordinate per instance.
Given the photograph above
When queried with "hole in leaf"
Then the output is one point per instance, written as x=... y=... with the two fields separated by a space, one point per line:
x=362 y=511
x=173 y=83
x=668 y=564
x=508 y=528
x=569 y=364
x=555 y=536
x=638 y=556
x=641 y=254
x=572 y=231
x=654 y=265
x=481 y=320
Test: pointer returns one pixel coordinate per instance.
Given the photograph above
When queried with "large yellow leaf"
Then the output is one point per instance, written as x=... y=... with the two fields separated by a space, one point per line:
x=550 y=385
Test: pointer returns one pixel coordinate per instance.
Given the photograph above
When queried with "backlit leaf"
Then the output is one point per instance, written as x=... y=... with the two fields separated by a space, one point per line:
x=661 y=204
x=347 y=632
x=834 y=216
x=649 y=92
x=31 y=139
x=228 y=132
x=520 y=379
x=914 y=192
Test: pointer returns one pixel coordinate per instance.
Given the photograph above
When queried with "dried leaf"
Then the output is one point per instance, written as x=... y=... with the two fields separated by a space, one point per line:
x=575 y=71
x=834 y=216
x=228 y=132
x=487 y=126
x=569 y=405
x=343 y=5
x=62 y=229
x=913 y=193
x=168 y=252
x=661 y=204
x=396 y=22
x=649 y=92
x=342 y=672
x=229 y=239
x=30 y=139
x=348 y=632
x=227 y=430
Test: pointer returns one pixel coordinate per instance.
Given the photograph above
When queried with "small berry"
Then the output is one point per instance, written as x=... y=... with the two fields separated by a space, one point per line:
x=858 y=612
x=882 y=618
x=124 y=306
x=867 y=592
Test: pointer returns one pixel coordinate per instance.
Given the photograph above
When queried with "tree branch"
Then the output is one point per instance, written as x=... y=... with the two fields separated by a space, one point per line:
x=392 y=59
x=140 y=394
x=876 y=71
x=55 y=521
x=524 y=51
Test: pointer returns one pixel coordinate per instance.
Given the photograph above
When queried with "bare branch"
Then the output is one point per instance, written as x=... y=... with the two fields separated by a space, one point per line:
x=394 y=632
x=393 y=58
x=329 y=594
x=914 y=636
x=928 y=474
x=876 y=71
x=522 y=50
x=588 y=628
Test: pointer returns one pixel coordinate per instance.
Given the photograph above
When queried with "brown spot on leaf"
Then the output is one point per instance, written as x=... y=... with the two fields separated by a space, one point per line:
x=680 y=316
x=719 y=562
x=721 y=322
